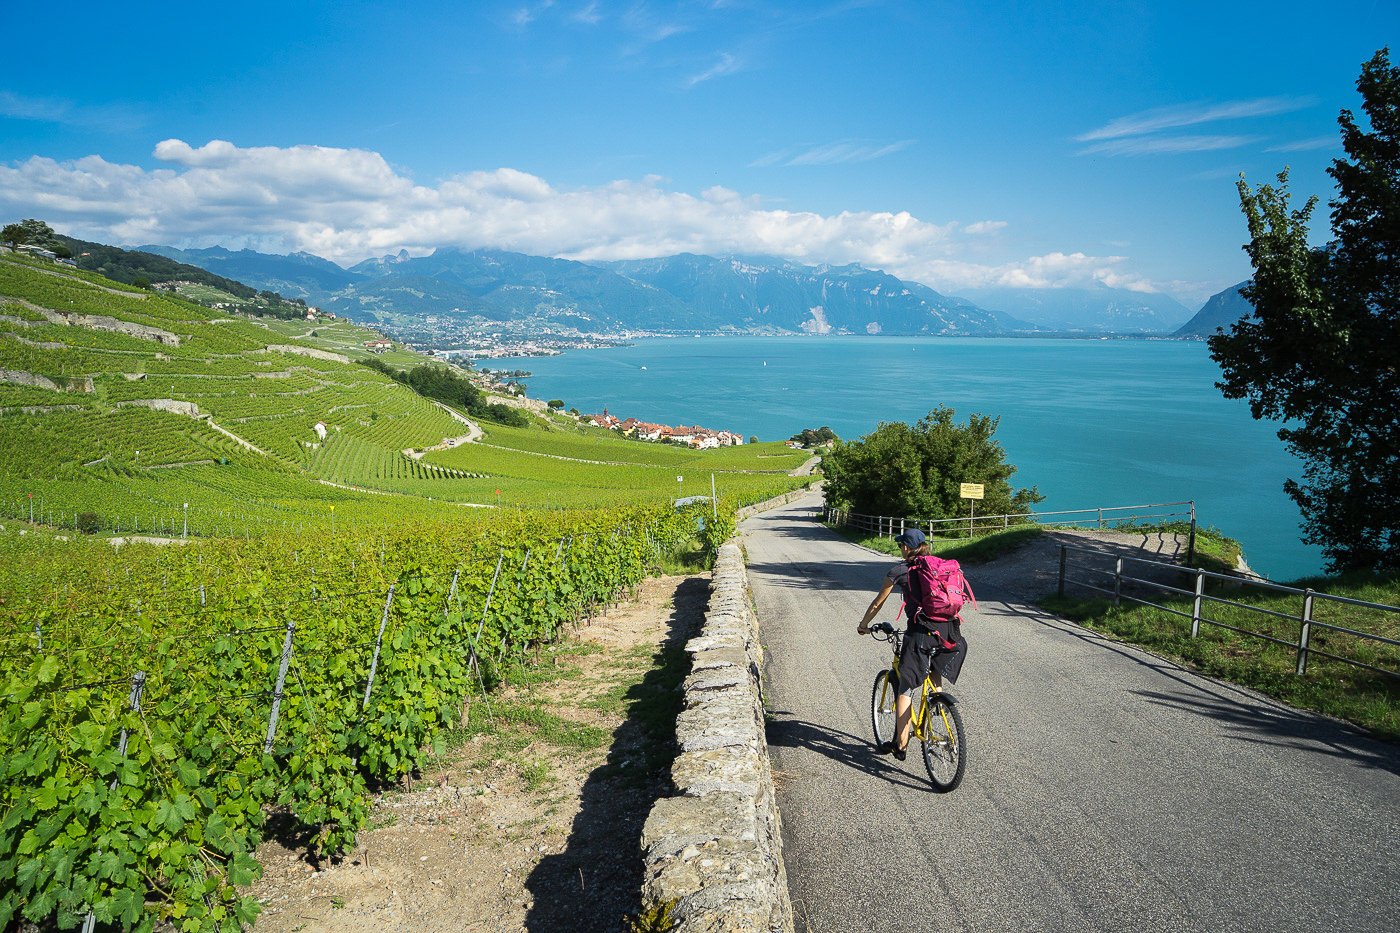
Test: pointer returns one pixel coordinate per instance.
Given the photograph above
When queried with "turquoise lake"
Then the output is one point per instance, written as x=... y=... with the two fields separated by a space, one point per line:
x=1090 y=423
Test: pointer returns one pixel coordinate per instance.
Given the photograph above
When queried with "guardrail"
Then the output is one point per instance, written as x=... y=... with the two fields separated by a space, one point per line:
x=1306 y=619
x=1100 y=518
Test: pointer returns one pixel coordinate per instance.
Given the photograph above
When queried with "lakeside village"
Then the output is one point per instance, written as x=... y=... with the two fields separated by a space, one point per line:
x=696 y=436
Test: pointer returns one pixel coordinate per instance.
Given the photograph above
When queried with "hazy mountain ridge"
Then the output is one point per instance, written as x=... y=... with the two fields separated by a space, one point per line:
x=1097 y=310
x=686 y=292
x=296 y=275
x=763 y=293
x=1221 y=311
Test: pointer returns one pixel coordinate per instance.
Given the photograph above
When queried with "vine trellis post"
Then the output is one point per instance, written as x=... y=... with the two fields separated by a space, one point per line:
x=133 y=703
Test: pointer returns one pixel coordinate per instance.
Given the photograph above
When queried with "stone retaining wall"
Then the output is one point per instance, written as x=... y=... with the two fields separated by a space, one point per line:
x=776 y=501
x=312 y=352
x=174 y=406
x=714 y=851
x=81 y=384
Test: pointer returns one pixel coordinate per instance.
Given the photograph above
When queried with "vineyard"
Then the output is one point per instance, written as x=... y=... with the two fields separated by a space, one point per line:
x=298 y=673
x=333 y=606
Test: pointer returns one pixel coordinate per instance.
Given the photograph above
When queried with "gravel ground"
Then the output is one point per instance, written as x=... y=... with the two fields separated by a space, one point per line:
x=1032 y=571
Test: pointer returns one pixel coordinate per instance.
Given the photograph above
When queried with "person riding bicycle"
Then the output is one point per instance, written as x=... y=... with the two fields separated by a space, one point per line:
x=923 y=635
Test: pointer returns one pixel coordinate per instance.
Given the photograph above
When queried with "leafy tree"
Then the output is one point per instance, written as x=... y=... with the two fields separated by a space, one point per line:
x=16 y=235
x=40 y=234
x=811 y=438
x=753 y=438
x=1319 y=351
x=918 y=472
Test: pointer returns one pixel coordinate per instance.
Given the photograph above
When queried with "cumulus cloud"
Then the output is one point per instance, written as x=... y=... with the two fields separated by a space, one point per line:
x=350 y=204
x=985 y=226
x=1053 y=270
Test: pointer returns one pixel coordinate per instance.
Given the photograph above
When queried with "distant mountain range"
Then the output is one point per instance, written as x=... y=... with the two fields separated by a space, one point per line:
x=1096 y=310
x=1221 y=311
x=676 y=293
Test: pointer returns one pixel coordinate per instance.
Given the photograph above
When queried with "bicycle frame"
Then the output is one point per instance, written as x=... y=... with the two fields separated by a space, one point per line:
x=942 y=738
x=920 y=716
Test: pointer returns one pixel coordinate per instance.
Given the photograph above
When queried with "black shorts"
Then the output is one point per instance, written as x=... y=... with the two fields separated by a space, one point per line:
x=918 y=647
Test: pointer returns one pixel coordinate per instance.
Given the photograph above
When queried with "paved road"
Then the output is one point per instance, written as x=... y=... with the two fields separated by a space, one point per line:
x=1106 y=789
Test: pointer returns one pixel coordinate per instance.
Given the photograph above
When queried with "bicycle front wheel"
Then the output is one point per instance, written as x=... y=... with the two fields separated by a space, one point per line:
x=882 y=700
x=945 y=752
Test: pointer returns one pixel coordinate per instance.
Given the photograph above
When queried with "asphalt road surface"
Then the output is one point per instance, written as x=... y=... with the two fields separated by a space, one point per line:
x=1106 y=789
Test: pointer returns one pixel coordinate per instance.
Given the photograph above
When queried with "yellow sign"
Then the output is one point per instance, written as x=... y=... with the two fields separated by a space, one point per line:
x=972 y=490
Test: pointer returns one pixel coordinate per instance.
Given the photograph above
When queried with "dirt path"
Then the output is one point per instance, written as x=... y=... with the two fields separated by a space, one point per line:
x=512 y=838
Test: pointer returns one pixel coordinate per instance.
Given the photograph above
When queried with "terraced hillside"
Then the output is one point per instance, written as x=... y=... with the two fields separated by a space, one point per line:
x=135 y=412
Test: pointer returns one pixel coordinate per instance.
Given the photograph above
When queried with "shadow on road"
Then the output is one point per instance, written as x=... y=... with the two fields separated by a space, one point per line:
x=1300 y=730
x=1247 y=716
x=843 y=748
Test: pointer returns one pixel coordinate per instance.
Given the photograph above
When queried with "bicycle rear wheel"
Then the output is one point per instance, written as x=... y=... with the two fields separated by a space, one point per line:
x=945 y=752
x=882 y=699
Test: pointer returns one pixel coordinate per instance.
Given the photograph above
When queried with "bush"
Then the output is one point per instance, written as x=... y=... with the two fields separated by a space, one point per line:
x=89 y=523
x=918 y=471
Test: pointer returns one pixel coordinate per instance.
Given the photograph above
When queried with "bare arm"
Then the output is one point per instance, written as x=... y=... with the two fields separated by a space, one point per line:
x=876 y=605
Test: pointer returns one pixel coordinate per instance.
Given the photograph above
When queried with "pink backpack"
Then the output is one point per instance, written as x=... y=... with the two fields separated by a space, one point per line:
x=939 y=588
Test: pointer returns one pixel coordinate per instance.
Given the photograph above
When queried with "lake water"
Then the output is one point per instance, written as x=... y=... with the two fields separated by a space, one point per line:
x=1089 y=422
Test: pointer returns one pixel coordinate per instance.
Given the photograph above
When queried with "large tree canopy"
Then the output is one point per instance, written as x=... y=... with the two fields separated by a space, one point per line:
x=1320 y=351
x=918 y=472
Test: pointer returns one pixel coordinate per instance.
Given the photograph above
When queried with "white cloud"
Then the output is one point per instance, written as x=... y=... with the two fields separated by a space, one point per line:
x=727 y=65
x=350 y=204
x=525 y=15
x=108 y=117
x=1162 y=118
x=1304 y=145
x=833 y=153
x=1143 y=133
x=1152 y=145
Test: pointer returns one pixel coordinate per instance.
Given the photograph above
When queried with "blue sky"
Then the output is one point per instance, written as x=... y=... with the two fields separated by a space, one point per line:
x=958 y=144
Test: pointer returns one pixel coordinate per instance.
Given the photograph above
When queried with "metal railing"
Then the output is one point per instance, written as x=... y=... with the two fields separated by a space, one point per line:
x=1099 y=518
x=1305 y=619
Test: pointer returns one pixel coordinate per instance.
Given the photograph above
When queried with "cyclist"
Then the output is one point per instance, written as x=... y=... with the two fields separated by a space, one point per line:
x=922 y=636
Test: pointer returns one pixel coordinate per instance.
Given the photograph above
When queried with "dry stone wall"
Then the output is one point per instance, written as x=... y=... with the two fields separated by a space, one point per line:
x=111 y=325
x=307 y=351
x=714 y=851
x=174 y=406
x=81 y=384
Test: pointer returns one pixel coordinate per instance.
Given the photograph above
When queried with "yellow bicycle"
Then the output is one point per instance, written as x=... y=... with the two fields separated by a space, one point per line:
x=937 y=724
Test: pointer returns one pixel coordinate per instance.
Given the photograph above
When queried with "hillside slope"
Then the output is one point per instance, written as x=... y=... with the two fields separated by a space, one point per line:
x=1221 y=311
x=146 y=413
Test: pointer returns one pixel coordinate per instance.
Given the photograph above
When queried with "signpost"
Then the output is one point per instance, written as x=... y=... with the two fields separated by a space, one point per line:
x=972 y=492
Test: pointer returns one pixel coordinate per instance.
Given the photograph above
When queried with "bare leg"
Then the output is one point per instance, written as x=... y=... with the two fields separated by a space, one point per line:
x=903 y=707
